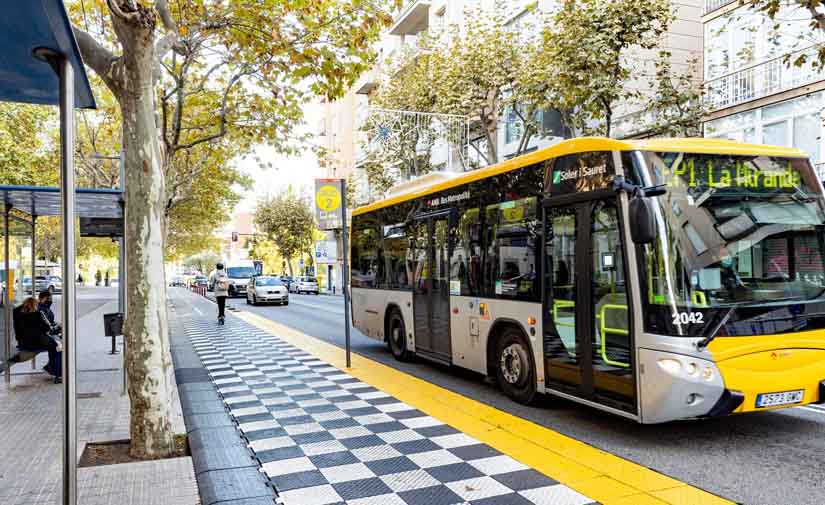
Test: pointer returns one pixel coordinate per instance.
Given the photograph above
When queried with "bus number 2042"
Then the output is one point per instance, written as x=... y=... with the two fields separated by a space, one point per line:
x=688 y=318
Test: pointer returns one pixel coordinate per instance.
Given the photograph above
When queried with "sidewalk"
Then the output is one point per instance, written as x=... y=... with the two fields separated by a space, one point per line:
x=31 y=430
x=324 y=437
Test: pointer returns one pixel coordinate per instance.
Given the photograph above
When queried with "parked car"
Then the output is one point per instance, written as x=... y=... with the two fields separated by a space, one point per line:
x=27 y=283
x=305 y=284
x=51 y=283
x=114 y=282
x=287 y=281
x=266 y=289
x=200 y=280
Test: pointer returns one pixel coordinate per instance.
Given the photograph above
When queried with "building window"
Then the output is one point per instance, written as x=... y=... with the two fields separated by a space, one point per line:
x=744 y=37
x=513 y=127
x=794 y=123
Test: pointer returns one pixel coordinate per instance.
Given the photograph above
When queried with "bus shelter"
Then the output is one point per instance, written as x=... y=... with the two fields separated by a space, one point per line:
x=100 y=212
x=41 y=64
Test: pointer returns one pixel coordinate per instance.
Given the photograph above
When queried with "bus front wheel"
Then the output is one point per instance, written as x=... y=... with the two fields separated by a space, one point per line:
x=396 y=336
x=515 y=372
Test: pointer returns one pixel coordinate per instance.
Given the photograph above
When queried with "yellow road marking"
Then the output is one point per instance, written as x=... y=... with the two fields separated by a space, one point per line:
x=600 y=475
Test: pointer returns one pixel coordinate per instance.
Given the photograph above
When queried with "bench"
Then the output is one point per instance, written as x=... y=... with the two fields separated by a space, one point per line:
x=24 y=356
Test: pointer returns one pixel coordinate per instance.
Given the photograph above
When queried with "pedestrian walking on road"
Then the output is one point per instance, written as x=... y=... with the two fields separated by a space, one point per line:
x=220 y=280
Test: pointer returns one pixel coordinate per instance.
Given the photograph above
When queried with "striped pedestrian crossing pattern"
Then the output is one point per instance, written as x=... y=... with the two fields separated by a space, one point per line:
x=323 y=437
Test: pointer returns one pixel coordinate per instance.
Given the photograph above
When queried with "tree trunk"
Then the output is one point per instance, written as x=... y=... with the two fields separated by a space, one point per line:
x=148 y=358
x=491 y=128
x=289 y=265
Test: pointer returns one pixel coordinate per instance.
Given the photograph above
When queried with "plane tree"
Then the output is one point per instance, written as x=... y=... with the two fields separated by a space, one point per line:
x=195 y=73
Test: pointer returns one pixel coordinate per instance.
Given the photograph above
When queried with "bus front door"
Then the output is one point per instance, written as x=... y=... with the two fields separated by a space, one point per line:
x=431 y=296
x=587 y=342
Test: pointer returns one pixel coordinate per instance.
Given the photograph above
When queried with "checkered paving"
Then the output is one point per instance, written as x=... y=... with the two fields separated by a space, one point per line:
x=324 y=437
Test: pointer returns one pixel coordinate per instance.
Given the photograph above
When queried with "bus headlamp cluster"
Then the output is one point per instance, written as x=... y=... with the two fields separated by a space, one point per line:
x=692 y=369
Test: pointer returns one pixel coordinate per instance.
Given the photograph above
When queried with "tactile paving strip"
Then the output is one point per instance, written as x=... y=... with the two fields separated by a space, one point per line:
x=323 y=437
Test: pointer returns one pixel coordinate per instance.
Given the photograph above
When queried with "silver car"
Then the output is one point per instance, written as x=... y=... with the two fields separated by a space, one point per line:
x=51 y=283
x=305 y=284
x=267 y=289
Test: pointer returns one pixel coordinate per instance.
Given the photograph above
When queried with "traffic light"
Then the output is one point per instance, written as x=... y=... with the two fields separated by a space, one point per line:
x=234 y=236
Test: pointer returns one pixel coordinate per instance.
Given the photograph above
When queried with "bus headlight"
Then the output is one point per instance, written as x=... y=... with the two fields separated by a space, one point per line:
x=707 y=373
x=670 y=365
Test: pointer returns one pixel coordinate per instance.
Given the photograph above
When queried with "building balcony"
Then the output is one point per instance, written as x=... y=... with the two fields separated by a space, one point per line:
x=634 y=124
x=713 y=5
x=763 y=79
x=413 y=18
x=367 y=82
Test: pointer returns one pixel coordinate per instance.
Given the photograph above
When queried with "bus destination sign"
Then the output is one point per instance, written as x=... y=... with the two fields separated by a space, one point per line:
x=707 y=172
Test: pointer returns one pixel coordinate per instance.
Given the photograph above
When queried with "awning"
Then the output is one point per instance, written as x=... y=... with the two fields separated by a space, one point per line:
x=45 y=201
x=26 y=25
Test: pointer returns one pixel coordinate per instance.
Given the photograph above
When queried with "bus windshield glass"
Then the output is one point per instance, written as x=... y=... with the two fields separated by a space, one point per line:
x=240 y=272
x=739 y=247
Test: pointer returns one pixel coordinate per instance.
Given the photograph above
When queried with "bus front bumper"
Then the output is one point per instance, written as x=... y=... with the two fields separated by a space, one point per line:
x=775 y=379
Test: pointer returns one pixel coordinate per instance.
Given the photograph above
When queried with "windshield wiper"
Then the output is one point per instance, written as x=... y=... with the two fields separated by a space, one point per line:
x=708 y=336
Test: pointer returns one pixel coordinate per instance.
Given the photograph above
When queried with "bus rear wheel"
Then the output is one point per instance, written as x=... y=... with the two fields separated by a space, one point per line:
x=396 y=336
x=515 y=372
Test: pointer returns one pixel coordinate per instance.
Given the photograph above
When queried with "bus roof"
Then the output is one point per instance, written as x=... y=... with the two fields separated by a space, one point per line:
x=589 y=144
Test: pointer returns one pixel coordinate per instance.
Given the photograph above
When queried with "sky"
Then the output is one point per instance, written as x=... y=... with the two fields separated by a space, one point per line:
x=296 y=171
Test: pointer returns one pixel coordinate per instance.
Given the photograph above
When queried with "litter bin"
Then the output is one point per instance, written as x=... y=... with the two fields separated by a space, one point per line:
x=112 y=327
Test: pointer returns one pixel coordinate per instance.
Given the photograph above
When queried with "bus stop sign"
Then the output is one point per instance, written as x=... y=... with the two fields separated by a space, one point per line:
x=328 y=200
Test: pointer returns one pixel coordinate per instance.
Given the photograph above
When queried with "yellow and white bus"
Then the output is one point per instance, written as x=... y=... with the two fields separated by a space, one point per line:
x=656 y=279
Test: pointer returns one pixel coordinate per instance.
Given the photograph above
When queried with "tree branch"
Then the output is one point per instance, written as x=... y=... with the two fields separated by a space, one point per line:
x=222 y=128
x=166 y=16
x=165 y=44
x=116 y=9
x=101 y=60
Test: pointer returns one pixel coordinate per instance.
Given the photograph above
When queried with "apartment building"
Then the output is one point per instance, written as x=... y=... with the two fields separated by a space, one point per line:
x=753 y=93
x=683 y=41
x=340 y=133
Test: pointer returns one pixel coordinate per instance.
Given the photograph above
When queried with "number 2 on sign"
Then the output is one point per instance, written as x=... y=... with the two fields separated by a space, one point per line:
x=688 y=318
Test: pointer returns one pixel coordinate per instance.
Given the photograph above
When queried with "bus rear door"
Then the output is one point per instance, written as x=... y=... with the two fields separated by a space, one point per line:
x=431 y=292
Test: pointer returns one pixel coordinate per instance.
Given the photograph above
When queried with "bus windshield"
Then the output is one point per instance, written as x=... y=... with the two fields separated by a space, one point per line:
x=739 y=248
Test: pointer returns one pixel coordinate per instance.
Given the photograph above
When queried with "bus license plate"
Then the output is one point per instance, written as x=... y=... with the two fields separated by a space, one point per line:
x=784 y=398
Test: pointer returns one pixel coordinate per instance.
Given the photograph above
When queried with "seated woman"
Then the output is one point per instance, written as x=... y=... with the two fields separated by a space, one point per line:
x=36 y=334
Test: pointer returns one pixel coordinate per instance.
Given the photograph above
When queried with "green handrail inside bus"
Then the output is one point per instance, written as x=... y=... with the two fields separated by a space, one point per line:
x=699 y=299
x=562 y=304
x=604 y=330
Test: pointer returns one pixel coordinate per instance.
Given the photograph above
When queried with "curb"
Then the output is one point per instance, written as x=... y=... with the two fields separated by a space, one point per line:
x=226 y=470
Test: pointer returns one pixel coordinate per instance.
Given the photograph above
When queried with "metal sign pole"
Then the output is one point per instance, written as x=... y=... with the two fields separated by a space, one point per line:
x=6 y=296
x=34 y=256
x=345 y=273
x=67 y=211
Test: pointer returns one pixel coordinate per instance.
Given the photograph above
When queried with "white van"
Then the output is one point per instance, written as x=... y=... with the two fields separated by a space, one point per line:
x=240 y=273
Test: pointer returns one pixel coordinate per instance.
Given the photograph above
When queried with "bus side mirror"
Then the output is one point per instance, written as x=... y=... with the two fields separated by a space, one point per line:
x=642 y=220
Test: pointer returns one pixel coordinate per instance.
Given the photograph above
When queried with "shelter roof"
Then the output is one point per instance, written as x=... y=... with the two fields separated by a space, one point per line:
x=26 y=25
x=45 y=201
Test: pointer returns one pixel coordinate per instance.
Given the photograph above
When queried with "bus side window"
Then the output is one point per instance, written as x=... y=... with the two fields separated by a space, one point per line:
x=510 y=270
x=561 y=271
x=366 y=245
x=465 y=263
x=395 y=253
